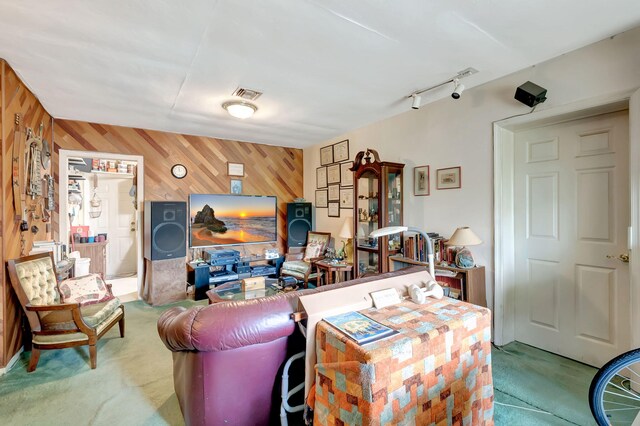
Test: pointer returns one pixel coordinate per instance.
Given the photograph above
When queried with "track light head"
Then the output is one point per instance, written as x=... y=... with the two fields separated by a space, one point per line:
x=457 y=89
x=416 y=99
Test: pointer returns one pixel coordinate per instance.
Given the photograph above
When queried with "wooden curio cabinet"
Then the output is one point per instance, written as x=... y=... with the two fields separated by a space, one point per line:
x=378 y=195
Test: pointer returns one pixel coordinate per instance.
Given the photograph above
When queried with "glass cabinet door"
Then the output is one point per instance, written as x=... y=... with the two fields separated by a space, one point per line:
x=394 y=206
x=368 y=205
x=368 y=262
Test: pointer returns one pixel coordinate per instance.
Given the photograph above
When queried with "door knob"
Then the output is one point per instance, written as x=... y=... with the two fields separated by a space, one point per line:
x=624 y=257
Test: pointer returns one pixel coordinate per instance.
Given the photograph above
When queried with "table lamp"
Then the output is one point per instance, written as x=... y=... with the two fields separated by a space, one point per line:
x=347 y=233
x=391 y=230
x=464 y=237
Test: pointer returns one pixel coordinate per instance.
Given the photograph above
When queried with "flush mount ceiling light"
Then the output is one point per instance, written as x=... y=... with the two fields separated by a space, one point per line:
x=457 y=90
x=240 y=109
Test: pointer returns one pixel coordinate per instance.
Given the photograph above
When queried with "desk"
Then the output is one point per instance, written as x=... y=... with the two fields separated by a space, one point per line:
x=332 y=268
x=437 y=370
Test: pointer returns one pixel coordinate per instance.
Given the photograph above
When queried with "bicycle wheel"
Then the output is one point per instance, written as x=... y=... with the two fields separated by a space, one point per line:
x=614 y=394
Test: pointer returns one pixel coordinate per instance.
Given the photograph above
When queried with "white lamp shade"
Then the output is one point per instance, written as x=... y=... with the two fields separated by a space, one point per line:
x=464 y=236
x=347 y=228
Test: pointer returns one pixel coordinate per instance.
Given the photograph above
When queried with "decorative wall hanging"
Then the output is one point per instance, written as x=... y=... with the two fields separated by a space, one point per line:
x=341 y=151
x=449 y=178
x=326 y=155
x=421 y=181
x=334 y=209
x=346 y=175
x=321 y=198
x=333 y=173
x=321 y=177
x=236 y=186
x=235 y=169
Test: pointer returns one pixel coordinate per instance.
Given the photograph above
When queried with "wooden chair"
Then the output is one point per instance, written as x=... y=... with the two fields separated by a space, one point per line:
x=299 y=261
x=56 y=325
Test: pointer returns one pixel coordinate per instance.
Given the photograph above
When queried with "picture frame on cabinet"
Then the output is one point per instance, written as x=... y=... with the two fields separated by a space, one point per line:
x=346 y=175
x=421 y=181
x=449 y=178
x=334 y=209
x=321 y=177
x=333 y=174
x=334 y=192
x=326 y=155
x=341 y=151
x=321 y=198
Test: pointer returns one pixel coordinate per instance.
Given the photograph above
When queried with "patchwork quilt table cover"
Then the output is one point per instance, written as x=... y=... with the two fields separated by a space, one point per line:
x=435 y=371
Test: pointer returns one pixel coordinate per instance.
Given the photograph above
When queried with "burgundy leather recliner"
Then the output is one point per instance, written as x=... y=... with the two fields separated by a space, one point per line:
x=227 y=357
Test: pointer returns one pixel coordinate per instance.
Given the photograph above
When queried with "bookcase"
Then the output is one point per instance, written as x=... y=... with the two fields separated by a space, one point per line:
x=378 y=203
x=470 y=281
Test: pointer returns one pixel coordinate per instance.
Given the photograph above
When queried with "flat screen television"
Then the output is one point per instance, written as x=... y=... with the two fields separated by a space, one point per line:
x=222 y=219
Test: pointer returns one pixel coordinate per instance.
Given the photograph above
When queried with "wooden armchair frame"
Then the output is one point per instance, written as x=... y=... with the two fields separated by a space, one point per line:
x=297 y=253
x=32 y=313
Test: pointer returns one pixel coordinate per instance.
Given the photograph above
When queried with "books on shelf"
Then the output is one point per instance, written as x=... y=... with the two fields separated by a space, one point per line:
x=415 y=248
x=360 y=328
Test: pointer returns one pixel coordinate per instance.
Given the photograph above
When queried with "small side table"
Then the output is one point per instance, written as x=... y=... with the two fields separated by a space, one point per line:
x=333 y=268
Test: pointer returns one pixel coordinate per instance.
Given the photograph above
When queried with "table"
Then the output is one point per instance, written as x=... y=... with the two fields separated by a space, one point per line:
x=233 y=291
x=332 y=268
x=437 y=370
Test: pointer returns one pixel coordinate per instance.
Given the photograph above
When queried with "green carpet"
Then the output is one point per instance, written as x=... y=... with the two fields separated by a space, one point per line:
x=133 y=384
x=533 y=379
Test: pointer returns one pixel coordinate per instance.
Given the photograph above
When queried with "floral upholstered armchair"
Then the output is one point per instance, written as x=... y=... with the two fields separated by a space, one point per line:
x=299 y=261
x=75 y=312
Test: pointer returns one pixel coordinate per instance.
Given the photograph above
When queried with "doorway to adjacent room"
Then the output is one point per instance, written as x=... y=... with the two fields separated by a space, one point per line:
x=100 y=215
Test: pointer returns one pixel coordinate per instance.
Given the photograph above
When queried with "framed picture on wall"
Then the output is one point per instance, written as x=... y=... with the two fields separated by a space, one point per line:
x=321 y=198
x=346 y=198
x=326 y=155
x=236 y=186
x=334 y=209
x=333 y=173
x=346 y=175
x=449 y=178
x=421 y=183
x=321 y=177
x=341 y=151
x=334 y=192
x=235 y=169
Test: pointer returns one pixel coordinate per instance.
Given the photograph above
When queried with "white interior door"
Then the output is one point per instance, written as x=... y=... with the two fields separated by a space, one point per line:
x=118 y=221
x=571 y=212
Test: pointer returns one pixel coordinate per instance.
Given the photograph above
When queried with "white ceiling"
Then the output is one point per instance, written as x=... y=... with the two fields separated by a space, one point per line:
x=325 y=66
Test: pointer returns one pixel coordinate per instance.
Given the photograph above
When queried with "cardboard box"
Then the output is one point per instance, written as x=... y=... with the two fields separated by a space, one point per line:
x=255 y=283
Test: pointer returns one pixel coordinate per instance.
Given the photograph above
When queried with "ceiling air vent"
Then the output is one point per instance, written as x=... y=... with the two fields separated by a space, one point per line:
x=248 y=94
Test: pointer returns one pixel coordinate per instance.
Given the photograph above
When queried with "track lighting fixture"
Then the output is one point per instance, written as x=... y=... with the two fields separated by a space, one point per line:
x=416 y=101
x=457 y=89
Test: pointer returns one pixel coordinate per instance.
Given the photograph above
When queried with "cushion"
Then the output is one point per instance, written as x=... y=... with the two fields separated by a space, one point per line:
x=296 y=266
x=313 y=250
x=84 y=290
x=93 y=315
x=38 y=280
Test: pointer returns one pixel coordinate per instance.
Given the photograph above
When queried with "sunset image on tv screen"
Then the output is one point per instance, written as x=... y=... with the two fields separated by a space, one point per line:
x=218 y=219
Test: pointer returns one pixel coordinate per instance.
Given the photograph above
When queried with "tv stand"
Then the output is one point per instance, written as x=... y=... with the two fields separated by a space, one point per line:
x=200 y=274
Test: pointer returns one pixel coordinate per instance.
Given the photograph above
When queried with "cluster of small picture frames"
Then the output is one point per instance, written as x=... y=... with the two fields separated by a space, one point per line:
x=447 y=178
x=334 y=179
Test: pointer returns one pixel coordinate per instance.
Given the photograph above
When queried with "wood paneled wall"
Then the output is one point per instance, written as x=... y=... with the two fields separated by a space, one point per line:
x=269 y=170
x=16 y=99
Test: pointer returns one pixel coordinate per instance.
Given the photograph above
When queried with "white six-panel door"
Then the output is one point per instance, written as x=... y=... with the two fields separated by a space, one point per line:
x=116 y=219
x=571 y=212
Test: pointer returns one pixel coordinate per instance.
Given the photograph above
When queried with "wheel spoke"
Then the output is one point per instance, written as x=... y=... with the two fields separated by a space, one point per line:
x=635 y=396
x=604 y=401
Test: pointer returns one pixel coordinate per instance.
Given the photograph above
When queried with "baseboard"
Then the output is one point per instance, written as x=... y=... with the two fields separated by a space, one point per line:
x=11 y=362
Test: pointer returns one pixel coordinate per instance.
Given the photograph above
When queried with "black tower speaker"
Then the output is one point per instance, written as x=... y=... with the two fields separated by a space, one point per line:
x=298 y=223
x=165 y=232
